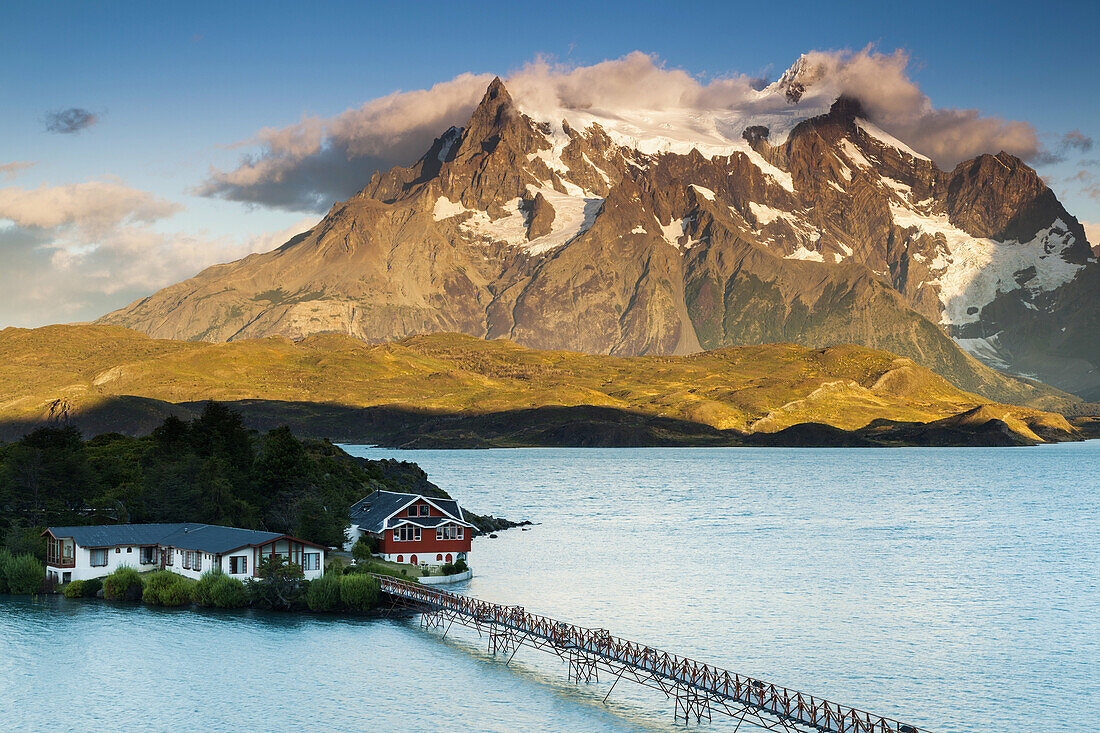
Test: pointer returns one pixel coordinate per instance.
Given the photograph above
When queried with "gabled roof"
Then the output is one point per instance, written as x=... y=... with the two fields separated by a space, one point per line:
x=370 y=513
x=210 y=538
x=423 y=521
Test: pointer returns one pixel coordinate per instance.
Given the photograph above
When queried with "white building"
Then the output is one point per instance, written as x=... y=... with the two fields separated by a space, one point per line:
x=190 y=549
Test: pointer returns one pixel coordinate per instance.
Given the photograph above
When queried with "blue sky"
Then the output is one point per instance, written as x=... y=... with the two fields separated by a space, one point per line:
x=174 y=86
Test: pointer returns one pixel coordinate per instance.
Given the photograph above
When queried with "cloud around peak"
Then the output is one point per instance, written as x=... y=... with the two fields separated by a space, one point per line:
x=308 y=165
x=311 y=164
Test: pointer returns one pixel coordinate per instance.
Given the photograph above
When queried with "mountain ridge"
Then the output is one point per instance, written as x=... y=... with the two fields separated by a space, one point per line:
x=564 y=238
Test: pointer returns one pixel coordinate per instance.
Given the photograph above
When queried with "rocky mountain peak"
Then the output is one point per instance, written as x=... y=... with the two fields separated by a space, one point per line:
x=489 y=166
x=654 y=235
x=803 y=74
x=846 y=109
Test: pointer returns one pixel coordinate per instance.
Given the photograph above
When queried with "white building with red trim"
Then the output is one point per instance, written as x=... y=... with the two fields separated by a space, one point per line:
x=190 y=549
x=412 y=529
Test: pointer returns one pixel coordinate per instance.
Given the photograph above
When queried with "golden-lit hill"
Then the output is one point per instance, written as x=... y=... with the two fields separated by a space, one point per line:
x=112 y=378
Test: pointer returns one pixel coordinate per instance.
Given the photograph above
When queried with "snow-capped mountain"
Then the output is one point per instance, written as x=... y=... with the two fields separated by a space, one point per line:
x=641 y=232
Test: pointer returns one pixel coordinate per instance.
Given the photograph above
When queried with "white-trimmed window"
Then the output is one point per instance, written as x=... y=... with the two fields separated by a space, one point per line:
x=424 y=510
x=148 y=555
x=311 y=561
x=406 y=533
x=450 y=532
x=238 y=564
x=99 y=558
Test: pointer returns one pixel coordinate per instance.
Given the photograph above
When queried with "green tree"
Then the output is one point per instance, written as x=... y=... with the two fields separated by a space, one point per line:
x=279 y=585
x=220 y=431
x=47 y=477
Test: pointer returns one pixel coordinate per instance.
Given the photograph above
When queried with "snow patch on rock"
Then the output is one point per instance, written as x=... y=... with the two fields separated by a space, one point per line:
x=445 y=209
x=805 y=254
x=783 y=178
x=765 y=214
x=971 y=271
x=673 y=231
x=704 y=192
x=573 y=215
x=854 y=156
x=987 y=350
x=886 y=138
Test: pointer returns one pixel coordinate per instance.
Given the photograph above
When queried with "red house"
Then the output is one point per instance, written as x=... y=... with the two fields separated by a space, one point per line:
x=413 y=529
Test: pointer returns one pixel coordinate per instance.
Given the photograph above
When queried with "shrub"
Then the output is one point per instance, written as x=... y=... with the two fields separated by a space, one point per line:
x=124 y=584
x=178 y=593
x=91 y=587
x=227 y=592
x=279 y=585
x=458 y=566
x=202 y=592
x=359 y=592
x=165 y=588
x=324 y=593
x=24 y=574
x=361 y=550
x=74 y=589
x=5 y=558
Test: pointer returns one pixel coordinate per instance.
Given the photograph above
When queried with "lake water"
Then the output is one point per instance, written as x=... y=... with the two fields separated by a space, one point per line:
x=955 y=589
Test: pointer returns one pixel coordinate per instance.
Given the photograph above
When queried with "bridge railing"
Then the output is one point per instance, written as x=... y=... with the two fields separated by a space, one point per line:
x=775 y=699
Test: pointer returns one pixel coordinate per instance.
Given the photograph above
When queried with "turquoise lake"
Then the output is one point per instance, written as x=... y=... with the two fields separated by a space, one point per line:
x=956 y=589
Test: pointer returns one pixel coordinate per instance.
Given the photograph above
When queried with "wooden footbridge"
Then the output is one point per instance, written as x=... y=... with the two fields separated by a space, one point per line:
x=697 y=689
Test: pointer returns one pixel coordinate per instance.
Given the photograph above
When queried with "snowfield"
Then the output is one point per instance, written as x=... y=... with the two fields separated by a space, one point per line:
x=971 y=271
x=573 y=215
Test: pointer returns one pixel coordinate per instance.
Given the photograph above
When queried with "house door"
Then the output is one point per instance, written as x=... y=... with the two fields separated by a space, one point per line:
x=163 y=559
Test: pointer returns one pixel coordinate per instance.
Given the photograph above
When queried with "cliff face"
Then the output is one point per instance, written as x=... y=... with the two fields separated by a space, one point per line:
x=563 y=236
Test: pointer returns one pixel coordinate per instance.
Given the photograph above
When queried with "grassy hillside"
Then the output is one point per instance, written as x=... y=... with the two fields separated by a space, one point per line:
x=130 y=382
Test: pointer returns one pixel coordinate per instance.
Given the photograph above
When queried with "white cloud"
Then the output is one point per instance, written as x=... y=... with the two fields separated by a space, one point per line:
x=311 y=164
x=75 y=252
x=93 y=207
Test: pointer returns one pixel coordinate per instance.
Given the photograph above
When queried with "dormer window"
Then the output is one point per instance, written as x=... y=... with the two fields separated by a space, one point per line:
x=414 y=511
x=423 y=510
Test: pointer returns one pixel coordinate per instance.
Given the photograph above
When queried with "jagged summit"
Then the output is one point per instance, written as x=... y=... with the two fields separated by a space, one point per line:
x=802 y=75
x=671 y=233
